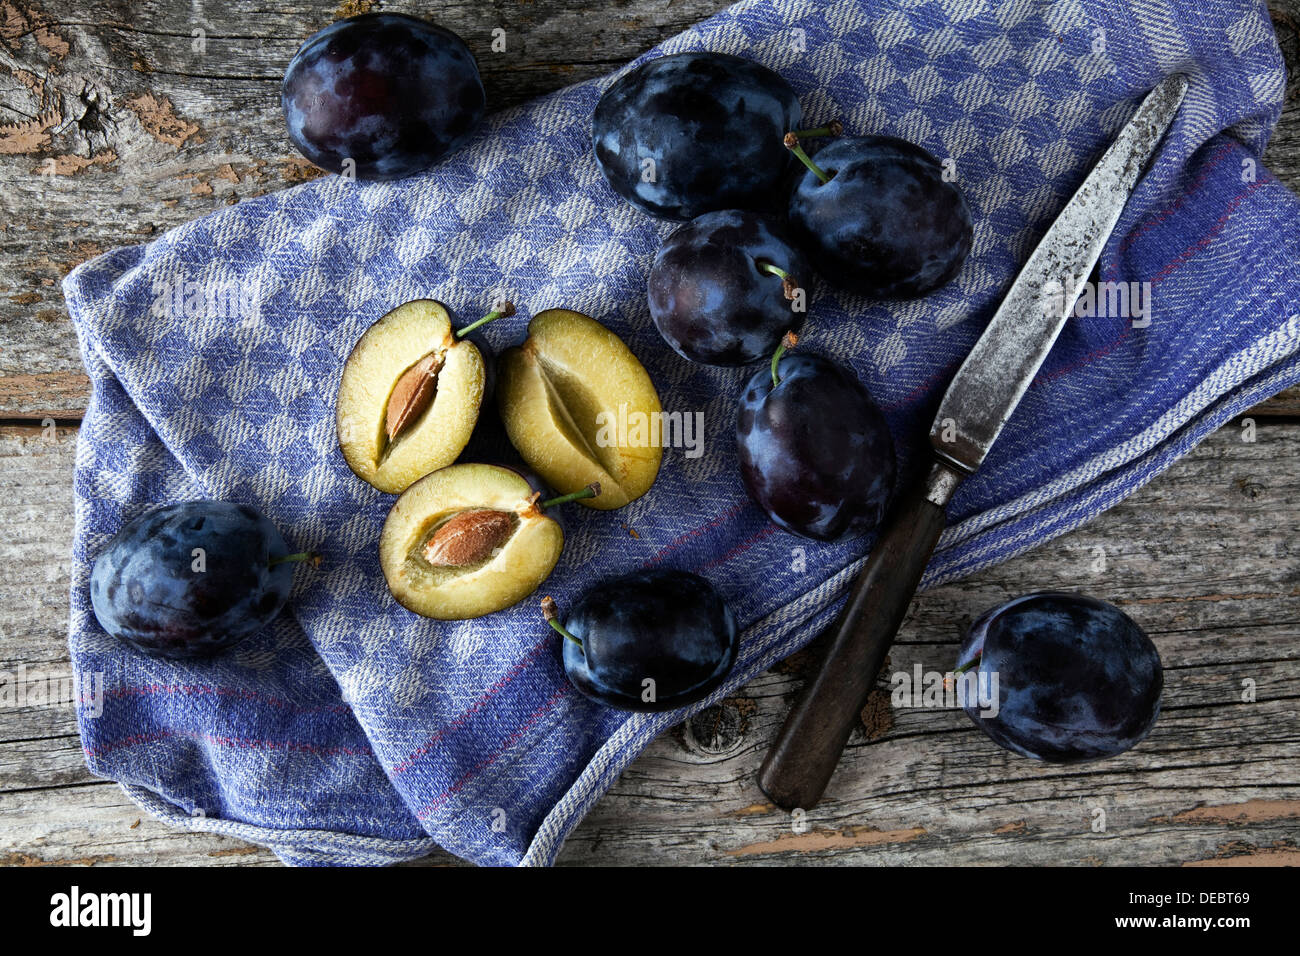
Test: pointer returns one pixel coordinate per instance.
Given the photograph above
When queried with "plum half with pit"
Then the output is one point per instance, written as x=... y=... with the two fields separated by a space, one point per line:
x=580 y=408
x=878 y=217
x=471 y=539
x=653 y=640
x=1077 y=678
x=382 y=95
x=411 y=391
x=725 y=287
x=193 y=578
x=693 y=132
x=815 y=452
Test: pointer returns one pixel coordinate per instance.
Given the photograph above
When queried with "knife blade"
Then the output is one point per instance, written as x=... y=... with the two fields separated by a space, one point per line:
x=979 y=401
x=990 y=383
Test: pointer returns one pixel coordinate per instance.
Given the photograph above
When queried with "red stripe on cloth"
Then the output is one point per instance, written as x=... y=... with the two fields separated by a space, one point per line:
x=245 y=743
x=509 y=676
x=506 y=744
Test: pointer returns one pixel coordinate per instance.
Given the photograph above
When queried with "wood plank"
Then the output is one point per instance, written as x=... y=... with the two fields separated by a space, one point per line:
x=61 y=396
x=1204 y=558
x=96 y=824
x=114 y=133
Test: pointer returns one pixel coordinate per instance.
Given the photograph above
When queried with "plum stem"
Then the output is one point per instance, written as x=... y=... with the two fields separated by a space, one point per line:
x=591 y=491
x=789 y=284
x=833 y=128
x=312 y=556
x=552 y=615
x=792 y=144
x=788 y=341
x=772 y=269
x=502 y=311
x=969 y=664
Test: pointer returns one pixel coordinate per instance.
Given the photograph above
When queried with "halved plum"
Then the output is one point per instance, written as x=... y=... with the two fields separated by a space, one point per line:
x=468 y=540
x=409 y=397
x=580 y=408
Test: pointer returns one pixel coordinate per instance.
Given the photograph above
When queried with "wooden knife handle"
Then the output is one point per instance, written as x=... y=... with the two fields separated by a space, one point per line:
x=801 y=761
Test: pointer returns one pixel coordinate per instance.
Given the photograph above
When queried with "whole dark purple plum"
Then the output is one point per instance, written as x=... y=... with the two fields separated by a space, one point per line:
x=1077 y=679
x=191 y=579
x=391 y=92
x=653 y=640
x=717 y=290
x=693 y=132
x=815 y=451
x=886 y=224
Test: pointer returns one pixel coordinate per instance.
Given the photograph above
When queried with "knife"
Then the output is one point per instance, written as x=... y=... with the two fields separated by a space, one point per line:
x=981 y=398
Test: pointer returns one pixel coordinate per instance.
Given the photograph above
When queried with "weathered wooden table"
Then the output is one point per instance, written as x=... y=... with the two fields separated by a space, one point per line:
x=121 y=120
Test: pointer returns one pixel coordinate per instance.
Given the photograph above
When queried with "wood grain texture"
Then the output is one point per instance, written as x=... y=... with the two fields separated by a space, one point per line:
x=1205 y=558
x=137 y=131
x=118 y=122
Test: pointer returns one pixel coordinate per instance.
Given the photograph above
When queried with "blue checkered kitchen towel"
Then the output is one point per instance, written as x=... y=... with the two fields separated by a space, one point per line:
x=355 y=732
